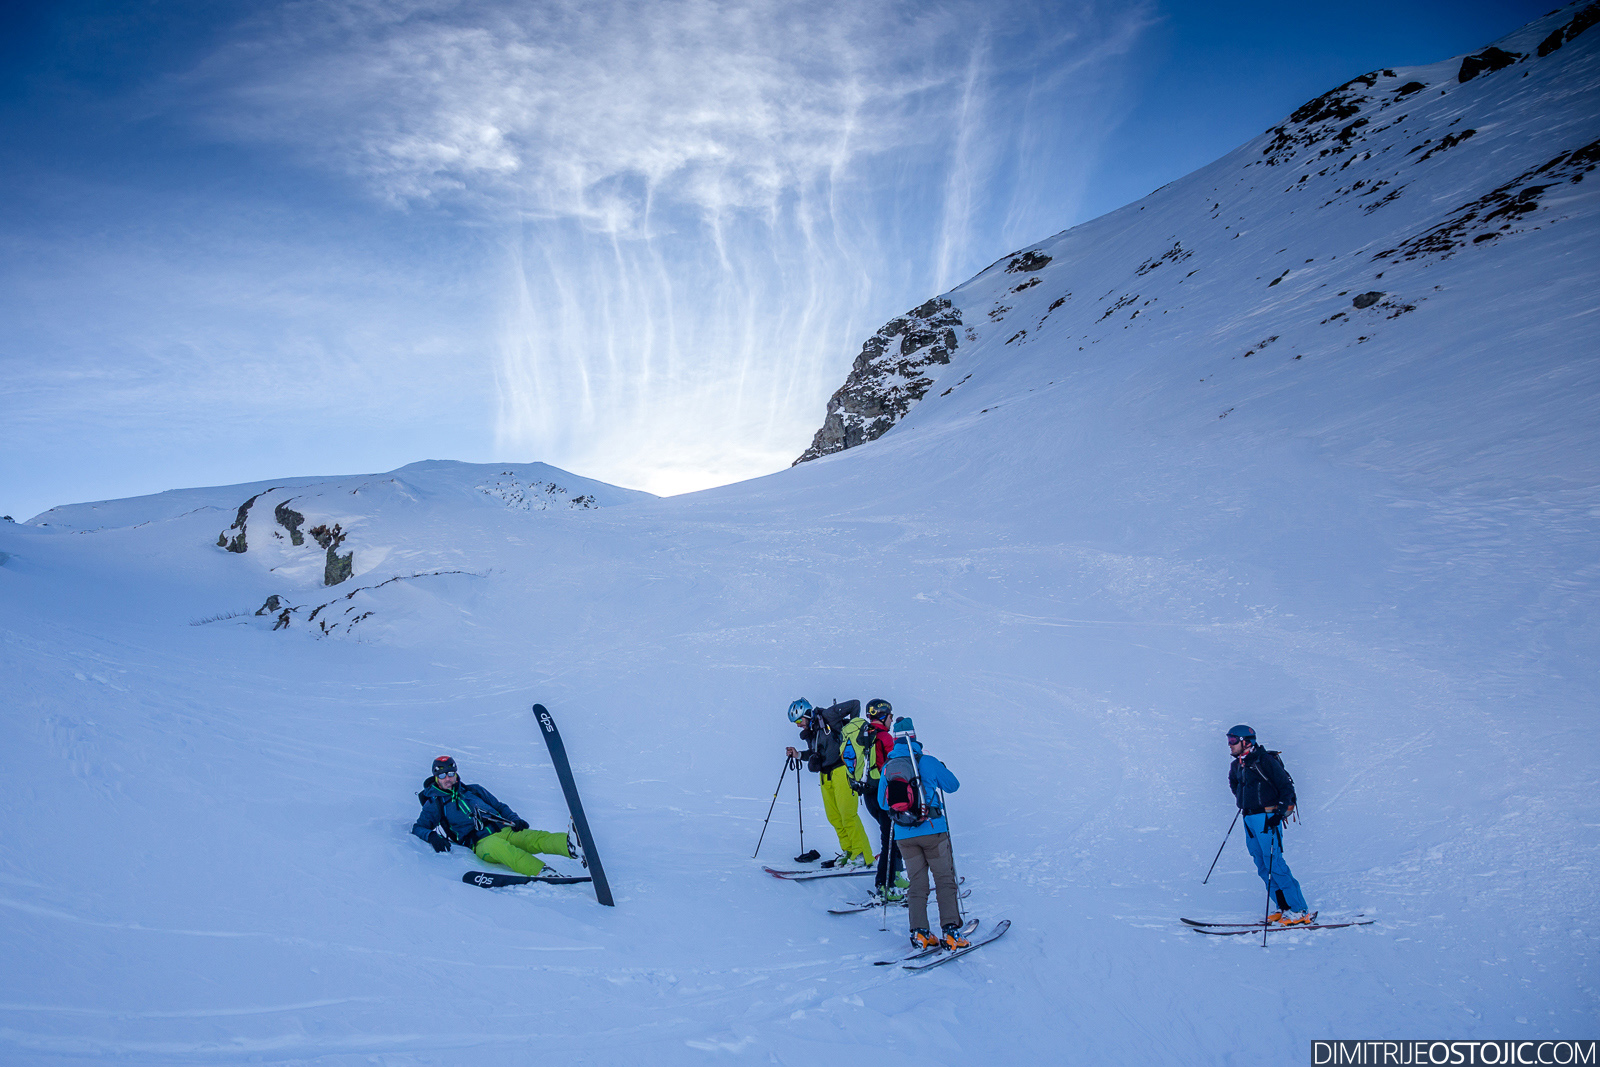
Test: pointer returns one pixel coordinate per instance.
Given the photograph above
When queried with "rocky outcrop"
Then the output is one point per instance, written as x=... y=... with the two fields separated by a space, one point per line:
x=1499 y=211
x=890 y=375
x=1487 y=61
x=290 y=520
x=338 y=567
x=1589 y=16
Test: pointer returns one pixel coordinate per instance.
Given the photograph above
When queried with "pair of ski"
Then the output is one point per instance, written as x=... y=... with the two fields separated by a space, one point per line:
x=929 y=958
x=811 y=875
x=867 y=905
x=580 y=825
x=1232 y=929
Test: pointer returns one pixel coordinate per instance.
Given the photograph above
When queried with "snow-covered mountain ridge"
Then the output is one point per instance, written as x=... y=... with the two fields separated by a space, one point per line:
x=1311 y=238
x=302 y=535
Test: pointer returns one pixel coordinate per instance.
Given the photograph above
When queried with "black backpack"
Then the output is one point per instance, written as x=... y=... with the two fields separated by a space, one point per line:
x=903 y=795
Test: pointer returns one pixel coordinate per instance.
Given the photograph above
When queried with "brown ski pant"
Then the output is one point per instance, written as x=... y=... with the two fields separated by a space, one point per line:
x=930 y=853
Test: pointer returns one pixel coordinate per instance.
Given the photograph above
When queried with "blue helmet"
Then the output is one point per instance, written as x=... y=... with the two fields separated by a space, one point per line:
x=799 y=709
x=1243 y=732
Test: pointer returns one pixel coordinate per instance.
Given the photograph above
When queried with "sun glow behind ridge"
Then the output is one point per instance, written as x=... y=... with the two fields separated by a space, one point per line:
x=706 y=208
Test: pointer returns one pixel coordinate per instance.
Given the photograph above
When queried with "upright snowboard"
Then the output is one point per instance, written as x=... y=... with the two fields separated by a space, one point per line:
x=580 y=823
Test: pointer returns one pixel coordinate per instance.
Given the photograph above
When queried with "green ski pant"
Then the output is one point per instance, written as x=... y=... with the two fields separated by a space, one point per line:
x=514 y=849
x=840 y=804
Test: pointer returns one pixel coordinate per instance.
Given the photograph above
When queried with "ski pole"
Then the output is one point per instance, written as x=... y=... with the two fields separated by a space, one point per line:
x=798 y=810
x=1220 y=847
x=774 y=804
x=954 y=874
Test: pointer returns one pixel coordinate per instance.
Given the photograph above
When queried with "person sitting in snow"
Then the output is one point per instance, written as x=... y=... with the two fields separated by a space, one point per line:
x=823 y=731
x=470 y=815
x=923 y=834
x=1265 y=794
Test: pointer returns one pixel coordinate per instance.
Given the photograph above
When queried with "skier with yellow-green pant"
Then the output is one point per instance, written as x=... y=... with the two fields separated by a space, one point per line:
x=470 y=815
x=822 y=730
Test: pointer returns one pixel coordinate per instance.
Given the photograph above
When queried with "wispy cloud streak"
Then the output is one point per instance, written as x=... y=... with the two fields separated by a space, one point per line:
x=707 y=205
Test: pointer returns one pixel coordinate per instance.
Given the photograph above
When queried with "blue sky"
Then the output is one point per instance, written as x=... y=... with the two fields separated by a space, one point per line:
x=639 y=241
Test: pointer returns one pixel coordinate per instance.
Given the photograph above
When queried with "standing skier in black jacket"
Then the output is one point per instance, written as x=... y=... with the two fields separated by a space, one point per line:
x=1265 y=794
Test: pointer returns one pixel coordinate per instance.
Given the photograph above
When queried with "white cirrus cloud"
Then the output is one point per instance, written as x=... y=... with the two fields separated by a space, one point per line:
x=707 y=205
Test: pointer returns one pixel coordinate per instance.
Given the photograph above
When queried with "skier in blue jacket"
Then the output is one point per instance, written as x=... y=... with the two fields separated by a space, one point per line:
x=911 y=791
x=470 y=815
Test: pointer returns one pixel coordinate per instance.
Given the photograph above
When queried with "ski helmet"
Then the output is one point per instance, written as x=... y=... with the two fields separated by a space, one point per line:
x=444 y=765
x=1243 y=733
x=878 y=708
x=799 y=709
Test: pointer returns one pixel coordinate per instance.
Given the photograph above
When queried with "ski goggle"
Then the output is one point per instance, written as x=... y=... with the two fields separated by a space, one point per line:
x=1236 y=740
x=447 y=774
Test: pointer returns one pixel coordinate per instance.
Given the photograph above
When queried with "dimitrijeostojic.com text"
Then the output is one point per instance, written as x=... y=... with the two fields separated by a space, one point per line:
x=1468 y=1053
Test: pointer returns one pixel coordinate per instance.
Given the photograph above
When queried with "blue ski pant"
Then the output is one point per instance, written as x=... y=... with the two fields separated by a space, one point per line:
x=1266 y=848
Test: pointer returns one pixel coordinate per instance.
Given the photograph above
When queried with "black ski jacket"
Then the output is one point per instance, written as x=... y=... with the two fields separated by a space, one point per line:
x=825 y=736
x=1259 y=781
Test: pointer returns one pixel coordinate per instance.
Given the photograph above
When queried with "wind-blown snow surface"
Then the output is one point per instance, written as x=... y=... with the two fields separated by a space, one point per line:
x=1070 y=570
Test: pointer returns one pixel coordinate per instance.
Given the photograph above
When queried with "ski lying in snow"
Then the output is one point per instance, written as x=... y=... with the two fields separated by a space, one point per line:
x=1275 y=928
x=917 y=954
x=806 y=876
x=945 y=956
x=855 y=906
x=1258 y=924
x=580 y=822
x=496 y=881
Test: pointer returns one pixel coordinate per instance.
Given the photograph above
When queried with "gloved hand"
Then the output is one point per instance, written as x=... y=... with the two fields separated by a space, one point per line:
x=439 y=842
x=519 y=825
x=1274 y=818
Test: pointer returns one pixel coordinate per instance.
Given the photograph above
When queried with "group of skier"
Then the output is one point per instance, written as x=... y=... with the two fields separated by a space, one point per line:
x=861 y=755
x=857 y=754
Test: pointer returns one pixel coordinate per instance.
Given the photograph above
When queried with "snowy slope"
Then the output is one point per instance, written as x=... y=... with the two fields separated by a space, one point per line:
x=1071 y=569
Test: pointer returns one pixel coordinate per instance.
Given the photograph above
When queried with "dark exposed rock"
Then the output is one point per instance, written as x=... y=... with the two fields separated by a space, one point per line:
x=1408 y=88
x=1487 y=61
x=327 y=538
x=1448 y=141
x=1318 y=119
x=887 y=377
x=1176 y=254
x=1366 y=300
x=241 y=518
x=1589 y=16
x=1028 y=261
x=274 y=603
x=338 y=567
x=1505 y=206
x=290 y=520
